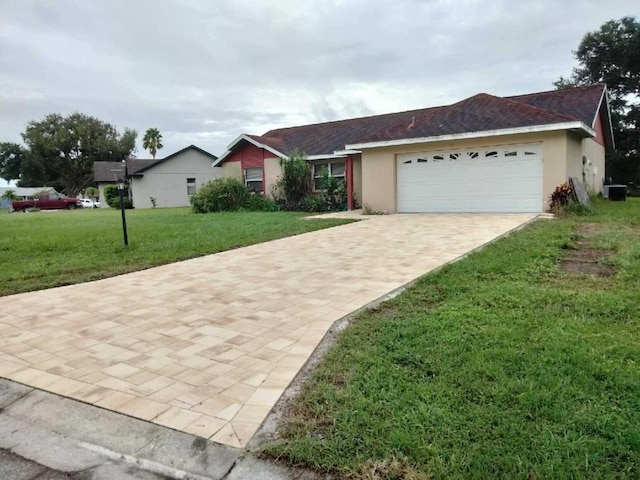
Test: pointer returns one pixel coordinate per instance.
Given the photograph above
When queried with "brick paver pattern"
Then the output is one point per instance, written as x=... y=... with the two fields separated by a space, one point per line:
x=207 y=346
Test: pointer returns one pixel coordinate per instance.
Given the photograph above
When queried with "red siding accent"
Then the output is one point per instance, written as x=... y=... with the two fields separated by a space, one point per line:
x=250 y=156
x=599 y=138
x=349 y=172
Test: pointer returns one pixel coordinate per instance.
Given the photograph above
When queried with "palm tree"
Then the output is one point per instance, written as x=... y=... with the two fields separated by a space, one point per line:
x=10 y=195
x=152 y=141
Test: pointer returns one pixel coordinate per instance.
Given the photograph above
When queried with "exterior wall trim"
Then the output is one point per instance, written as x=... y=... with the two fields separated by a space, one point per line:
x=488 y=133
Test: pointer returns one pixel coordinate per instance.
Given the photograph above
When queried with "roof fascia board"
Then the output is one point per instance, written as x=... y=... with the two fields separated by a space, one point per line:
x=347 y=152
x=325 y=156
x=482 y=134
x=605 y=99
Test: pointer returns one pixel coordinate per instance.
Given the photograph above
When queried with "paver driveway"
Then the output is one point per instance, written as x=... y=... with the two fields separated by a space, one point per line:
x=207 y=346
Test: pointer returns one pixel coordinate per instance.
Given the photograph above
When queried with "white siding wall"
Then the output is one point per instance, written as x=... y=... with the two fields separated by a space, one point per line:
x=101 y=197
x=167 y=182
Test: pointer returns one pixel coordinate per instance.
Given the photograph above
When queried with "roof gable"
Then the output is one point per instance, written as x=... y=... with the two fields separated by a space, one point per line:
x=154 y=163
x=110 y=171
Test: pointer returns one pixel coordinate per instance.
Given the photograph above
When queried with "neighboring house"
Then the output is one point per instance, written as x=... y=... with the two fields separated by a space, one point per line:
x=107 y=173
x=25 y=193
x=483 y=154
x=170 y=180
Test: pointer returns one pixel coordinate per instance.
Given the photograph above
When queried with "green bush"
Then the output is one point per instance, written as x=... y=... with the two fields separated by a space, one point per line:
x=112 y=196
x=260 y=203
x=229 y=194
x=295 y=181
x=314 y=204
x=334 y=192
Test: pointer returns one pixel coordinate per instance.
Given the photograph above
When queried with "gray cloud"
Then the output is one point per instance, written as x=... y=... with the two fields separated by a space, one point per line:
x=203 y=72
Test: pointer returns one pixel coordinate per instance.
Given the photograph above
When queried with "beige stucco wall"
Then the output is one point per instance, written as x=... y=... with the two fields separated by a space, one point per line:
x=167 y=182
x=232 y=169
x=272 y=172
x=596 y=153
x=379 y=178
x=574 y=157
x=357 y=179
x=379 y=164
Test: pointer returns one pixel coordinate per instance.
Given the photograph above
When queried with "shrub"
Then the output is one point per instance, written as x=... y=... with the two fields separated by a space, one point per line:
x=310 y=203
x=221 y=195
x=260 y=203
x=229 y=194
x=314 y=204
x=334 y=192
x=560 y=197
x=112 y=196
x=295 y=181
x=154 y=202
x=92 y=192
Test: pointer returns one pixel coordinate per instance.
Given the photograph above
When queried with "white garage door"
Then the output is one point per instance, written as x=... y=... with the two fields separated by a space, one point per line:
x=506 y=178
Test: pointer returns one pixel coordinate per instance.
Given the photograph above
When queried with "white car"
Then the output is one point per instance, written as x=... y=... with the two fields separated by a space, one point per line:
x=88 y=203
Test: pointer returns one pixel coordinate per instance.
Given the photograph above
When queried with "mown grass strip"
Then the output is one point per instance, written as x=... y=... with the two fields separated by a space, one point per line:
x=498 y=366
x=47 y=249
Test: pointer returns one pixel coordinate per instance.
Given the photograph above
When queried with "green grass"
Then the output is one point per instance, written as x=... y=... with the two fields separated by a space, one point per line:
x=47 y=249
x=498 y=366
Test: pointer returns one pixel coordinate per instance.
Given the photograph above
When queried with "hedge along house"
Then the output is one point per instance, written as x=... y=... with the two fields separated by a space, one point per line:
x=171 y=181
x=483 y=154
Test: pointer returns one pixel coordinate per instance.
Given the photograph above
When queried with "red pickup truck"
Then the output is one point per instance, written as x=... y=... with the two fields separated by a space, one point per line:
x=47 y=201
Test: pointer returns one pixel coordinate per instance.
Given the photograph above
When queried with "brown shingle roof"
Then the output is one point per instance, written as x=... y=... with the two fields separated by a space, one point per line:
x=479 y=113
x=580 y=102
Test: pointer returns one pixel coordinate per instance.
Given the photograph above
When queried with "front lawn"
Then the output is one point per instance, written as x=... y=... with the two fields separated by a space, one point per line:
x=508 y=364
x=47 y=249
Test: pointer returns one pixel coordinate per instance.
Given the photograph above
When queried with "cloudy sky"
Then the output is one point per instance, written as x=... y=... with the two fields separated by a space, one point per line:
x=205 y=71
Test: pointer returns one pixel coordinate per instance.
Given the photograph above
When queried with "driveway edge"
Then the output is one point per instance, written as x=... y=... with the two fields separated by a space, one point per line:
x=268 y=431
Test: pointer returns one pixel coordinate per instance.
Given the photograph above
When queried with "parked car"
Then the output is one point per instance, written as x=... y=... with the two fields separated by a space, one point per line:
x=47 y=201
x=88 y=203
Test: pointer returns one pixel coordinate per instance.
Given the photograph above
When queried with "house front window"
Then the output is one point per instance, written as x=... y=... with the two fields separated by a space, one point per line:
x=191 y=186
x=253 y=179
x=334 y=169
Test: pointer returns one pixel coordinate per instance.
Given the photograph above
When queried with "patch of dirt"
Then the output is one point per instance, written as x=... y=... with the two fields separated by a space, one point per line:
x=586 y=255
x=588 y=268
x=584 y=259
x=589 y=228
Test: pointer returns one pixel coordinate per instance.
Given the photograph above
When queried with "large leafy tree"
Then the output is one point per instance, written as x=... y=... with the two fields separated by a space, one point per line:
x=152 y=141
x=611 y=55
x=12 y=155
x=60 y=152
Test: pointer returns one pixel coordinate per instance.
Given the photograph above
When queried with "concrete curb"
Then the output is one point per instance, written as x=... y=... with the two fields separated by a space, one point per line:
x=69 y=439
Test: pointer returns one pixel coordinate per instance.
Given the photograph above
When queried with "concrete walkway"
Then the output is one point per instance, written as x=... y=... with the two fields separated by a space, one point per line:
x=207 y=346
